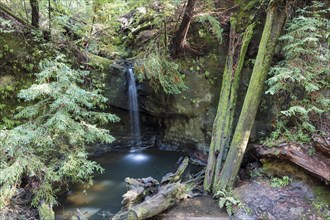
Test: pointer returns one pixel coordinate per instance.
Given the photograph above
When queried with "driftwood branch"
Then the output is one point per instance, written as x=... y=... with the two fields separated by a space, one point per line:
x=139 y=189
x=174 y=177
x=154 y=200
x=167 y=197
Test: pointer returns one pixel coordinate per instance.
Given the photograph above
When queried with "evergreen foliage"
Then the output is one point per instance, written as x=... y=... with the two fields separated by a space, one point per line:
x=299 y=82
x=153 y=62
x=162 y=72
x=214 y=25
x=48 y=149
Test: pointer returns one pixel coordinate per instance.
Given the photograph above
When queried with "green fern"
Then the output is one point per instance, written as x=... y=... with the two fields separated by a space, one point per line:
x=278 y=182
x=214 y=24
x=228 y=201
x=298 y=81
x=161 y=71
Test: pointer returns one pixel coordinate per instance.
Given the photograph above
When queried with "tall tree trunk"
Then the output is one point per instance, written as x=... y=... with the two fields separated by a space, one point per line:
x=179 y=43
x=25 y=9
x=49 y=18
x=35 y=13
x=274 y=23
x=223 y=123
x=96 y=6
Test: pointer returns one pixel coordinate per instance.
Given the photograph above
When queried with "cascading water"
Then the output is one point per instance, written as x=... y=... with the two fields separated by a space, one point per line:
x=133 y=107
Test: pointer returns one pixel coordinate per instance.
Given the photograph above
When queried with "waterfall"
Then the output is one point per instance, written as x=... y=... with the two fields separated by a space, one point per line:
x=133 y=107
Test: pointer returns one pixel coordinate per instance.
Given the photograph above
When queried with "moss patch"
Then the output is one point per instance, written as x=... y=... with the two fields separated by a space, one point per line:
x=321 y=202
x=19 y=60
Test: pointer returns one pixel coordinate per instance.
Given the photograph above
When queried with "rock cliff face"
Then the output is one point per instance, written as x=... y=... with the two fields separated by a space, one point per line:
x=187 y=118
x=184 y=119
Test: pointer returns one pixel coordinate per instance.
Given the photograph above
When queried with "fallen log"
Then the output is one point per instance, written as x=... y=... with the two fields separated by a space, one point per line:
x=139 y=189
x=174 y=177
x=166 y=195
x=316 y=164
x=322 y=144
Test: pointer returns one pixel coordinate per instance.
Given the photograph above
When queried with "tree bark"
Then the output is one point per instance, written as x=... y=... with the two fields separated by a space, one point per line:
x=179 y=43
x=170 y=192
x=317 y=164
x=139 y=189
x=49 y=18
x=35 y=13
x=275 y=19
x=223 y=123
x=167 y=197
x=322 y=144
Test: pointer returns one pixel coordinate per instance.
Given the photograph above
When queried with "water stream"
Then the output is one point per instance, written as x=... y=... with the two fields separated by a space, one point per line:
x=106 y=194
x=133 y=107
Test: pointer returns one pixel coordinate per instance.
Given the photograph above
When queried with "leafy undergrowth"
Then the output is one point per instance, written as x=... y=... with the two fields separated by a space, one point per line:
x=299 y=82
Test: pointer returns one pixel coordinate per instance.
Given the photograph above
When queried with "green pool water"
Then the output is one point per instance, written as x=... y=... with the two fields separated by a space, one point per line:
x=105 y=196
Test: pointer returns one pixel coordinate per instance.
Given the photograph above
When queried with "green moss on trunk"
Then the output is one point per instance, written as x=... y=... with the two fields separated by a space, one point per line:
x=223 y=123
x=273 y=26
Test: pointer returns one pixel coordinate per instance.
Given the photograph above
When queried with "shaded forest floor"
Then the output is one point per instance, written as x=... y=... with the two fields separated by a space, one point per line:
x=201 y=207
x=261 y=200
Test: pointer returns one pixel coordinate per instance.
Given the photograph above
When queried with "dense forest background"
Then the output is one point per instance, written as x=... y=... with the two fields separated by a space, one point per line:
x=215 y=76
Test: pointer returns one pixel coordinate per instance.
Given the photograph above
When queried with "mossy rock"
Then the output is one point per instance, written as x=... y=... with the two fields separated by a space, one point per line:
x=274 y=167
x=6 y=80
x=321 y=191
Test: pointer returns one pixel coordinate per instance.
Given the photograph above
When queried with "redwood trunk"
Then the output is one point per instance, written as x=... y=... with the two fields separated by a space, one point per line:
x=179 y=41
x=223 y=123
x=35 y=13
x=274 y=23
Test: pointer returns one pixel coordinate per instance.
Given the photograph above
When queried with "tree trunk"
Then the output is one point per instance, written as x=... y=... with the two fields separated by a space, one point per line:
x=179 y=43
x=223 y=123
x=322 y=144
x=49 y=18
x=274 y=23
x=35 y=13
